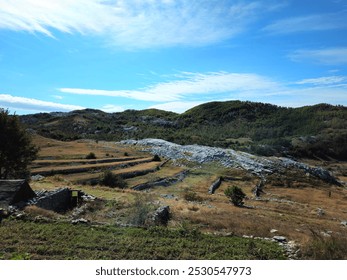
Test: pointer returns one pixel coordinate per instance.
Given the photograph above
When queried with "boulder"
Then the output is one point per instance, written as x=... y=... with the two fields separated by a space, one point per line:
x=161 y=216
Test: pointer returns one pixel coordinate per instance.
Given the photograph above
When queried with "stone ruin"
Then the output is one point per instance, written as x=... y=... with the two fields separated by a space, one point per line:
x=59 y=200
x=17 y=194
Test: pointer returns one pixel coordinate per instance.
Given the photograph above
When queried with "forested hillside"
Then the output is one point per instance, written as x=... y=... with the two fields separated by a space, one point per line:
x=310 y=131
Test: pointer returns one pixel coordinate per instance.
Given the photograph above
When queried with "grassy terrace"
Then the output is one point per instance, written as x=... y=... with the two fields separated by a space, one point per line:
x=60 y=240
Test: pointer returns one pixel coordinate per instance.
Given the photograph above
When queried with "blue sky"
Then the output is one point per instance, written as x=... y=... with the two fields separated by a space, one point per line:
x=113 y=55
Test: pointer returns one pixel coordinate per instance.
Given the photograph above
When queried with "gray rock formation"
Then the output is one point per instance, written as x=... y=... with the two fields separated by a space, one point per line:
x=260 y=166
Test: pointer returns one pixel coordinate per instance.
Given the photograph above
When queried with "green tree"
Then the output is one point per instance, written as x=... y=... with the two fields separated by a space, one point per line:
x=16 y=148
x=235 y=194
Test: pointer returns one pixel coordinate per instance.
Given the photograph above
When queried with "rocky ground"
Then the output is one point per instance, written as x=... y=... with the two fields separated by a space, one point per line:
x=260 y=166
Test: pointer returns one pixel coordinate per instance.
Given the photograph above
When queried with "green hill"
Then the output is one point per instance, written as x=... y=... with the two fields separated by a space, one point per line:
x=310 y=131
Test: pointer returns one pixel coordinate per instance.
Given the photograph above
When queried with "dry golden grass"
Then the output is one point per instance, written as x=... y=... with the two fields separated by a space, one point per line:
x=289 y=205
x=37 y=211
x=293 y=212
x=54 y=149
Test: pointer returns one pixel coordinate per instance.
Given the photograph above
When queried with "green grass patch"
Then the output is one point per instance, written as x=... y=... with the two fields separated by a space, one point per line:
x=60 y=240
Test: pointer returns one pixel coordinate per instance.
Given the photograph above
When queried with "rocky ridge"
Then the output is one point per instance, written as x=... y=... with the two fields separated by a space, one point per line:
x=257 y=165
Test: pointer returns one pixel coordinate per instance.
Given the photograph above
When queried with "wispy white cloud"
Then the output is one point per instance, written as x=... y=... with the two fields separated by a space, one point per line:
x=188 y=85
x=329 y=80
x=288 y=96
x=16 y=102
x=328 y=56
x=318 y=22
x=134 y=23
x=187 y=90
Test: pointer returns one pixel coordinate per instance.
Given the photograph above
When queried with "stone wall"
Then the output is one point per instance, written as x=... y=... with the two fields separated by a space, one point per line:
x=59 y=200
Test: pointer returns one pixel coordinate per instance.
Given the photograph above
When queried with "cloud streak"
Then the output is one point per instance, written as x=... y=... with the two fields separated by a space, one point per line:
x=190 y=89
x=187 y=90
x=330 y=80
x=134 y=23
x=328 y=56
x=16 y=102
x=318 y=22
x=189 y=85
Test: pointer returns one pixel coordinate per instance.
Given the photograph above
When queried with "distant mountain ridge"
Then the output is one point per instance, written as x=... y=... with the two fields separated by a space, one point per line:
x=266 y=129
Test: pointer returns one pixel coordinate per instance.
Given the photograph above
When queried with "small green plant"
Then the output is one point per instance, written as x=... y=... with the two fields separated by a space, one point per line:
x=91 y=155
x=126 y=154
x=112 y=180
x=235 y=194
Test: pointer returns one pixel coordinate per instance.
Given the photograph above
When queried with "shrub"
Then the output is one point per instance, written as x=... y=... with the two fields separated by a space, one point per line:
x=235 y=194
x=91 y=155
x=192 y=196
x=140 y=211
x=112 y=180
x=156 y=158
x=126 y=154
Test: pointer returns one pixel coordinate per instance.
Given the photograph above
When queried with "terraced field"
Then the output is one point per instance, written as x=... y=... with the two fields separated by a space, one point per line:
x=302 y=208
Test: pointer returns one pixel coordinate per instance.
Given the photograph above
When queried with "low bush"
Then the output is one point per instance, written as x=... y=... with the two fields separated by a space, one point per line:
x=112 y=180
x=91 y=155
x=141 y=210
x=156 y=158
x=235 y=194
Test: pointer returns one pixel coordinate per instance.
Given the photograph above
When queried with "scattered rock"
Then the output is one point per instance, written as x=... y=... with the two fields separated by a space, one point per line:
x=325 y=234
x=79 y=221
x=247 y=236
x=79 y=211
x=161 y=216
x=88 y=197
x=19 y=216
x=320 y=212
x=273 y=230
x=279 y=238
x=37 y=177
x=168 y=196
x=344 y=223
